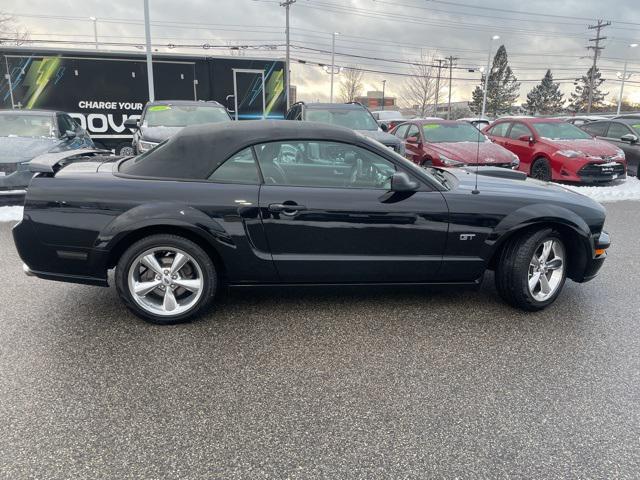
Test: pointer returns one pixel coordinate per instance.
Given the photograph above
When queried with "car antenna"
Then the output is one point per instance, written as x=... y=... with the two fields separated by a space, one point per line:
x=475 y=190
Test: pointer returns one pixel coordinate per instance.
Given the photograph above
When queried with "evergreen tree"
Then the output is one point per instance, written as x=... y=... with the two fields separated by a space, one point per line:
x=579 y=100
x=545 y=98
x=502 y=90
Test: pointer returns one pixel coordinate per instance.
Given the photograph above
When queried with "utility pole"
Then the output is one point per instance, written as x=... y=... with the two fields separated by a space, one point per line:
x=596 y=52
x=435 y=108
x=333 y=62
x=95 y=30
x=287 y=84
x=486 y=77
x=384 y=82
x=147 y=33
x=451 y=59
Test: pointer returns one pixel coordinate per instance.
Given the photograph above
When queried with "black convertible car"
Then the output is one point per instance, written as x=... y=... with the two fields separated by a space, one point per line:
x=296 y=203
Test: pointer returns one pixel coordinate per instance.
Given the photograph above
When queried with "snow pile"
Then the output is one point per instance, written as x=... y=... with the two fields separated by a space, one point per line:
x=10 y=214
x=628 y=189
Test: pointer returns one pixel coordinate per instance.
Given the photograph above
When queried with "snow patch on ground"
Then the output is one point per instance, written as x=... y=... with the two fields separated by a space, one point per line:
x=628 y=189
x=10 y=214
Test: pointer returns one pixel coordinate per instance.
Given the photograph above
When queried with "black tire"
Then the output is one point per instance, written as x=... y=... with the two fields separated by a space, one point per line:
x=126 y=150
x=204 y=262
x=512 y=270
x=541 y=170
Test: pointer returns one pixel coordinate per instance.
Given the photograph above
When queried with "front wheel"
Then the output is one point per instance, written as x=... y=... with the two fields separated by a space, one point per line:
x=541 y=170
x=531 y=270
x=166 y=279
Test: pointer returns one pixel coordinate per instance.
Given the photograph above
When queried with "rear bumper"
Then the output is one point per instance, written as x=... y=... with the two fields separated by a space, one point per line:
x=58 y=263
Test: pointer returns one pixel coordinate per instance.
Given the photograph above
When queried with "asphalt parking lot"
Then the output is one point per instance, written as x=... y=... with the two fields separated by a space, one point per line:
x=325 y=384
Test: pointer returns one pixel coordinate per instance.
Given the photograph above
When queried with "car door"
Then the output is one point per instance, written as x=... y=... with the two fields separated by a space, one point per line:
x=329 y=216
x=522 y=148
x=498 y=133
x=614 y=134
x=413 y=143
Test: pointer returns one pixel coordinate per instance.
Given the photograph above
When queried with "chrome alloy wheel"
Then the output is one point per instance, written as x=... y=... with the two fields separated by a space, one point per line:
x=546 y=270
x=165 y=281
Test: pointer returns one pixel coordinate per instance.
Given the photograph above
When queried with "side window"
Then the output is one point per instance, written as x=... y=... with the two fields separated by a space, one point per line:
x=291 y=114
x=597 y=129
x=65 y=123
x=518 y=130
x=500 y=130
x=323 y=164
x=617 y=130
x=414 y=131
x=401 y=130
x=240 y=168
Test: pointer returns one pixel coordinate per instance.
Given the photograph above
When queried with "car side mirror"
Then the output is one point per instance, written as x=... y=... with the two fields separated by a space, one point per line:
x=69 y=134
x=526 y=138
x=384 y=127
x=132 y=123
x=629 y=137
x=401 y=182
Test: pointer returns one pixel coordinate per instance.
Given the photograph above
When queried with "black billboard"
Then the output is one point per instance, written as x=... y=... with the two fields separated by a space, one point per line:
x=102 y=90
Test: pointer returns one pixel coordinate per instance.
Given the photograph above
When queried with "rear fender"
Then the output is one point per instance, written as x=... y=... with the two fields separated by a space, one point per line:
x=160 y=214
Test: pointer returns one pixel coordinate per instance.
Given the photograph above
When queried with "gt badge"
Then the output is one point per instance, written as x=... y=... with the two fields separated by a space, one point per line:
x=467 y=236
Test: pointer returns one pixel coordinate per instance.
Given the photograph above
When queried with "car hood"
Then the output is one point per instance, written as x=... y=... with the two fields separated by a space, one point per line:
x=382 y=137
x=23 y=149
x=524 y=190
x=158 y=134
x=591 y=147
x=473 y=152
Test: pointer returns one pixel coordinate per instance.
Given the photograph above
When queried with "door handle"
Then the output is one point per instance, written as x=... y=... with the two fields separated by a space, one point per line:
x=286 y=209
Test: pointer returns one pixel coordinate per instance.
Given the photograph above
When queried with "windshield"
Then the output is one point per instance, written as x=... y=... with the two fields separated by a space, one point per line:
x=432 y=173
x=560 y=131
x=356 y=119
x=452 y=132
x=183 y=115
x=26 y=125
x=636 y=127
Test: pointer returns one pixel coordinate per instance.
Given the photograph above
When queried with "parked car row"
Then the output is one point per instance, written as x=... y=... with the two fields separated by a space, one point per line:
x=547 y=149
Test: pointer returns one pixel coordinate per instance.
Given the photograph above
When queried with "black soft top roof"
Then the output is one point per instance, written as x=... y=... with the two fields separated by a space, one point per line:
x=196 y=151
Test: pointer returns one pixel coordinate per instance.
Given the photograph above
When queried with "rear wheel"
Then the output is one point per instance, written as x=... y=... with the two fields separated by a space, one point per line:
x=166 y=279
x=541 y=170
x=531 y=270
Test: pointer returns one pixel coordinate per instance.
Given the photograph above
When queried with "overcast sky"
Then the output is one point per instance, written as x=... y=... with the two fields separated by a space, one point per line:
x=382 y=29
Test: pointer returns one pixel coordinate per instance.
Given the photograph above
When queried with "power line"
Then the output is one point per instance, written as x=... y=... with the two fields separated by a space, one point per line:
x=596 y=52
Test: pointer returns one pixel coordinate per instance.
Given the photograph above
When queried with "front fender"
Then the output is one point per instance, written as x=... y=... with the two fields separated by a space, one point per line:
x=161 y=213
x=541 y=214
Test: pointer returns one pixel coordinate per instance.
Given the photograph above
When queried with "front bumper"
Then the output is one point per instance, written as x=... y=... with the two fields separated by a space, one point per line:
x=601 y=172
x=601 y=244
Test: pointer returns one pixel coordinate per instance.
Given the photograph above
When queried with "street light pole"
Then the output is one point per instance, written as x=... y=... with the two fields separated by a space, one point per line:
x=147 y=32
x=95 y=30
x=287 y=85
x=486 y=76
x=384 y=82
x=624 y=77
x=333 y=63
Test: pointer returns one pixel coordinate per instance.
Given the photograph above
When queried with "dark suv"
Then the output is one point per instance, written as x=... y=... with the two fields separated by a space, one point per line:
x=163 y=119
x=624 y=132
x=351 y=115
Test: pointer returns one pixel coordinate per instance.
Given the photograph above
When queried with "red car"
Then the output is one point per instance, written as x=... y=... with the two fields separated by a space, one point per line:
x=552 y=149
x=447 y=143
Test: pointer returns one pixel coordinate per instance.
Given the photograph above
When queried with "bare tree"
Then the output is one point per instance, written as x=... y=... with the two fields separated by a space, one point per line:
x=351 y=84
x=419 y=91
x=10 y=32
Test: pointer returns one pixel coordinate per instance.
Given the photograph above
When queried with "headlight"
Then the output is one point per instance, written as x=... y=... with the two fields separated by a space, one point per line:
x=515 y=161
x=144 y=146
x=619 y=155
x=449 y=162
x=570 y=153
